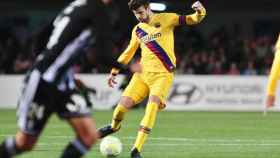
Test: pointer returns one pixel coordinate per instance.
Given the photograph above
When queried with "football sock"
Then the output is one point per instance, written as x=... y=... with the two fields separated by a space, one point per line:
x=8 y=148
x=118 y=116
x=147 y=124
x=75 y=149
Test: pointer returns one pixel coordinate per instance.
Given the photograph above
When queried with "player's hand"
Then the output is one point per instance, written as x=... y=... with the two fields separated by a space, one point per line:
x=197 y=6
x=270 y=100
x=112 y=80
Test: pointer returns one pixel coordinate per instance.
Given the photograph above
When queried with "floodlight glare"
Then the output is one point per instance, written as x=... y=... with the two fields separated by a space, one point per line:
x=158 y=6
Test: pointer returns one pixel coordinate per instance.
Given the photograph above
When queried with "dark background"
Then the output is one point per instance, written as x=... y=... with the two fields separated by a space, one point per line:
x=235 y=37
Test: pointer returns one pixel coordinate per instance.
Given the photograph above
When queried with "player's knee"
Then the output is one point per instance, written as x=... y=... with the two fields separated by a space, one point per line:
x=127 y=102
x=85 y=130
x=155 y=99
x=88 y=137
x=25 y=142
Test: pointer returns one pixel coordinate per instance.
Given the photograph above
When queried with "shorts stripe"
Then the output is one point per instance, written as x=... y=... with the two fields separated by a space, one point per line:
x=27 y=98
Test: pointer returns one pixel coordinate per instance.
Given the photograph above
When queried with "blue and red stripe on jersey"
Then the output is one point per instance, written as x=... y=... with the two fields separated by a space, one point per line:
x=157 y=50
x=182 y=20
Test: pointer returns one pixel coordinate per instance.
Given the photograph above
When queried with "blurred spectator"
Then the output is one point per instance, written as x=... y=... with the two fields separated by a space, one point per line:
x=222 y=52
x=217 y=70
x=22 y=64
x=250 y=69
x=233 y=69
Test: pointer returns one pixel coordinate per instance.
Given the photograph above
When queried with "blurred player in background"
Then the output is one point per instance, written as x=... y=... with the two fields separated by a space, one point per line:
x=50 y=87
x=273 y=77
x=154 y=35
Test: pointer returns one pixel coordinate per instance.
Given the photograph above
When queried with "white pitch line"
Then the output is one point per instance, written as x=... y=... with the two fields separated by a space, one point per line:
x=194 y=142
x=182 y=139
x=176 y=144
x=178 y=139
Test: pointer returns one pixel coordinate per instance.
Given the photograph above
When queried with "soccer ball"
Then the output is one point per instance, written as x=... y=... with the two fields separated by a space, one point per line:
x=110 y=146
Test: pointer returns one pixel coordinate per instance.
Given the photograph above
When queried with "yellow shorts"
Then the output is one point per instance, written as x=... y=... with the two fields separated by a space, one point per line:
x=149 y=83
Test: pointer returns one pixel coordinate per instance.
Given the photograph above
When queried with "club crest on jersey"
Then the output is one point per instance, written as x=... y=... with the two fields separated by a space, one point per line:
x=149 y=38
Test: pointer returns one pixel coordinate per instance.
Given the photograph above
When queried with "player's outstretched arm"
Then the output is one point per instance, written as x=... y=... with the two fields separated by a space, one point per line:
x=198 y=16
x=130 y=50
x=124 y=58
x=273 y=78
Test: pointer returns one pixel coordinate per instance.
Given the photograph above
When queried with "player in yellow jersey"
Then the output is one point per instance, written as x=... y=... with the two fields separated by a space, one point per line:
x=154 y=35
x=273 y=77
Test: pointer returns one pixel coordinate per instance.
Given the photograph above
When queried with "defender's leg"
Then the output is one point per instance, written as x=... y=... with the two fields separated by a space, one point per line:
x=86 y=136
x=146 y=125
x=159 y=85
x=125 y=104
x=134 y=93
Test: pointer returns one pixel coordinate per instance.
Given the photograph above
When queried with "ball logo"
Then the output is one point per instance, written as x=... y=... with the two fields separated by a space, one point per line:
x=185 y=93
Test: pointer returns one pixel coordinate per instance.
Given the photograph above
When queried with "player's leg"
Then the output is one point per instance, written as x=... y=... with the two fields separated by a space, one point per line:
x=75 y=107
x=86 y=136
x=14 y=146
x=32 y=118
x=118 y=115
x=135 y=92
x=160 y=84
x=146 y=125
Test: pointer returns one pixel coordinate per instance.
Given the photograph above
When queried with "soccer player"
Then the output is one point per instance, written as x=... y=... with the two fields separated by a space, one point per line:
x=50 y=87
x=273 y=77
x=154 y=35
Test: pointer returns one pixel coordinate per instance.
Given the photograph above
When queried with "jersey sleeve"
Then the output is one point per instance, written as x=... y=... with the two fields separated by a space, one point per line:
x=177 y=20
x=274 y=75
x=129 y=52
x=172 y=19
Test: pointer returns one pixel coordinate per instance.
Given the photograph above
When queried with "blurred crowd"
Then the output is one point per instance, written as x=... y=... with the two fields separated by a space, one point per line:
x=220 y=52
x=226 y=53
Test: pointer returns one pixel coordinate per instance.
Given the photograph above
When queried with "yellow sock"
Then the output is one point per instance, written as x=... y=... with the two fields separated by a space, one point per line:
x=140 y=140
x=147 y=124
x=118 y=116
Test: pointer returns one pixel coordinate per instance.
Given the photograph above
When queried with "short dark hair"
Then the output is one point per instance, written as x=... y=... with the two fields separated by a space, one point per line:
x=135 y=4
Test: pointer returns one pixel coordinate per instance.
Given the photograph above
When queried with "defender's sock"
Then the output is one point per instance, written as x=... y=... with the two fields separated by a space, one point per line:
x=8 y=148
x=147 y=124
x=75 y=149
x=118 y=116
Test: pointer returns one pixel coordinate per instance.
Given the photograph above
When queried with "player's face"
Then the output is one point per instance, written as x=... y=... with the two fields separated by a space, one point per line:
x=142 y=14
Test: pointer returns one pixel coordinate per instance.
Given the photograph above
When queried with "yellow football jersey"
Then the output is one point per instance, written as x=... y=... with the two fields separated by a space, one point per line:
x=156 y=40
x=275 y=71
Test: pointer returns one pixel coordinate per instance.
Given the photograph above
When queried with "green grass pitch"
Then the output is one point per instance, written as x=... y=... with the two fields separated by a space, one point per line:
x=176 y=135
